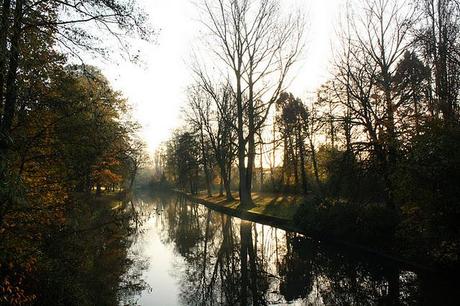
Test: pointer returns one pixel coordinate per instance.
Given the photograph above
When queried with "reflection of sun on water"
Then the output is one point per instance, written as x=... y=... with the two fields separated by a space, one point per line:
x=160 y=274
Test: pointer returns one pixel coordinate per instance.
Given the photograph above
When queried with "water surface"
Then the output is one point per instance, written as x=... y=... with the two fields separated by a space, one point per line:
x=196 y=256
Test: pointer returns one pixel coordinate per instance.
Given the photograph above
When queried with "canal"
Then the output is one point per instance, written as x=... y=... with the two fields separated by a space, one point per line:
x=187 y=254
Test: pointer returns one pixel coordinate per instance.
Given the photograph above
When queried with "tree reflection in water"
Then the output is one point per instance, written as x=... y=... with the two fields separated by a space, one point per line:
x=228 y=261
x=87 y=261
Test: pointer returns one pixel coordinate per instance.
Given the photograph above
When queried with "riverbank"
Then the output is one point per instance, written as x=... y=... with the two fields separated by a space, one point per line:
x=279 y=211
x=273 y=210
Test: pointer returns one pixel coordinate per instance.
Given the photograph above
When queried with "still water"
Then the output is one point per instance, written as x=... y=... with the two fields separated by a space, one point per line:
x=187 y=254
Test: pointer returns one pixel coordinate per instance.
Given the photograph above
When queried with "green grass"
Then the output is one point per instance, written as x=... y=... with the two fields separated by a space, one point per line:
x=276 y=205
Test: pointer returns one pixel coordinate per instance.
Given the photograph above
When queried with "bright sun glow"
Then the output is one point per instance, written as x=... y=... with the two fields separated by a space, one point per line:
x=156 y=89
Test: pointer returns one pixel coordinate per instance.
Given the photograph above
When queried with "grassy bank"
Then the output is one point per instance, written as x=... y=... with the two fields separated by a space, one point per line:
x=274 y=205
x=268 y=209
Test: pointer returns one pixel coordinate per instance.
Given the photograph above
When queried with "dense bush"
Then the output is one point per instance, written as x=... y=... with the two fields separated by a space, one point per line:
x=344 y=175
x=428 y=192
x=337 y=219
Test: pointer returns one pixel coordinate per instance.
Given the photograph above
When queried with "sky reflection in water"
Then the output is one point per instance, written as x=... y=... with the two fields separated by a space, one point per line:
x=200 y=257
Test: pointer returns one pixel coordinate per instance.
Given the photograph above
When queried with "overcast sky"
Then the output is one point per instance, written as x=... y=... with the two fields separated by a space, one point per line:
x=156 y=89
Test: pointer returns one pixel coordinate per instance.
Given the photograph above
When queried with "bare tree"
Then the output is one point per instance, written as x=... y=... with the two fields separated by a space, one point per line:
x=374 y=43
x=198 y=117
x=210 y=110
x=257 y=48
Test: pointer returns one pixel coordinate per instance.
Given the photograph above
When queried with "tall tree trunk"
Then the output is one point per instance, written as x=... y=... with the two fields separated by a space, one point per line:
x=294 y=162
x=250 y=167
x=302 y=161
x=272 y=163
x=331 y=125
x=284 y=174
x=205 y=163
x=261 y=164
x=315 y=163
x=390 y=120
x=4 y=26
x=244 y=192
x=11 y=86
x=251 y=141
x=226 y=184
x=390 y=160
x=347 y=132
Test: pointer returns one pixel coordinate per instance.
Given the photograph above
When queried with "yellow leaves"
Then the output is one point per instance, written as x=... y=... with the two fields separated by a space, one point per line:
x=106 y=176
x=71 y=132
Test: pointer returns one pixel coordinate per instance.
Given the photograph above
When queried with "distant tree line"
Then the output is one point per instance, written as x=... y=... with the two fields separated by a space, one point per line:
x=378 y=142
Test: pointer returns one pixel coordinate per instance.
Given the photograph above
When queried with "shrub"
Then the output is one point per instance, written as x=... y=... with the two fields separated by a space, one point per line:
x=370 y=223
